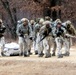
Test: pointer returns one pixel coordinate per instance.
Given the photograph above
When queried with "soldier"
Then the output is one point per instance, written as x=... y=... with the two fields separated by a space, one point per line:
x=2 y=39
x=23 y=33
x=59 y=35
x=47 y=38
x=32 y=27
x=37 y=28
x=70 y=31
x=38 y=47
x=54 y=24
x=32 y=34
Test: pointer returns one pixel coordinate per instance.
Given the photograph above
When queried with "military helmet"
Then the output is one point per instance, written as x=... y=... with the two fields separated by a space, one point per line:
x=41 y=20
x=46 y=22
x=47 y=18
x=68 y=22
x=58 y=22
x=24 y=20
x=32 y=21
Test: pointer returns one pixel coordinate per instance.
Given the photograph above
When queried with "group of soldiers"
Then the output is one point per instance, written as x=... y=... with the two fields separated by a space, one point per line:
x=45 y=35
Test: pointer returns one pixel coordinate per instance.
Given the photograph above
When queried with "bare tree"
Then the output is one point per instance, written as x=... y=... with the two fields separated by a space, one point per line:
x=12 y=17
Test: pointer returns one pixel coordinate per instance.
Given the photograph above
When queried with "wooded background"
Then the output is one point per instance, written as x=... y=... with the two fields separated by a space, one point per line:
x=13 y=10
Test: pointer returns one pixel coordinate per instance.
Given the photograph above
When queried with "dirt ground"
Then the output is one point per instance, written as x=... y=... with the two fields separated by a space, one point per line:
x=38 y=66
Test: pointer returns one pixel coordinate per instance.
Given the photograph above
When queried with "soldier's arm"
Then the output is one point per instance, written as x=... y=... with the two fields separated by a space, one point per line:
x=64 y=30
x=18 y=31
x=73 y=29
x=30 y=29
x=2 y=29
x=42 y=29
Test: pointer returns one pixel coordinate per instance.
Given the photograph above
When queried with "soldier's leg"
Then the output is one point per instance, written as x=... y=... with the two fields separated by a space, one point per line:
x=35 y=47
x=37 y=44
x=40 y=49
x=26 y=46
x=21 y=46
x=46 y=47
x=54 y=48
x=50 y=45
x=67 y=46
x=30 y=45
x=2 y=45
x=59 y=46
x=71 y=42
x=25 y=49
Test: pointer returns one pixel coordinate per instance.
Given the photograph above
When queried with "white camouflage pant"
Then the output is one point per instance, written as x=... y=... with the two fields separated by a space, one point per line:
x=59 y=42
x=38 y=45
x=54 y=45
x=23 y=44
x=47 y=43
x=36 y=42
x=29 y=44
x=2 y=44
x=67 y=44
x=32 y=42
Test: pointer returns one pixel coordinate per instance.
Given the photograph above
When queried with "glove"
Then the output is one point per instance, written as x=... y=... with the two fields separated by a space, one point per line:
x=50 y=30
x=31 y=38
x=59 y=33
x=21 y=35
x=21 y=32
x=2 y=30
x=45 y=33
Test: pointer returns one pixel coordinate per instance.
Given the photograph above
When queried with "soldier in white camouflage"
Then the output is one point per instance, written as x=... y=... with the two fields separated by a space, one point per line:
x=54 y=24
x=2 y=38
x=32 y=34
x=38 y=47
x=59 y=38
x=45 y=31
x=67 y=39
x=23 y=34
